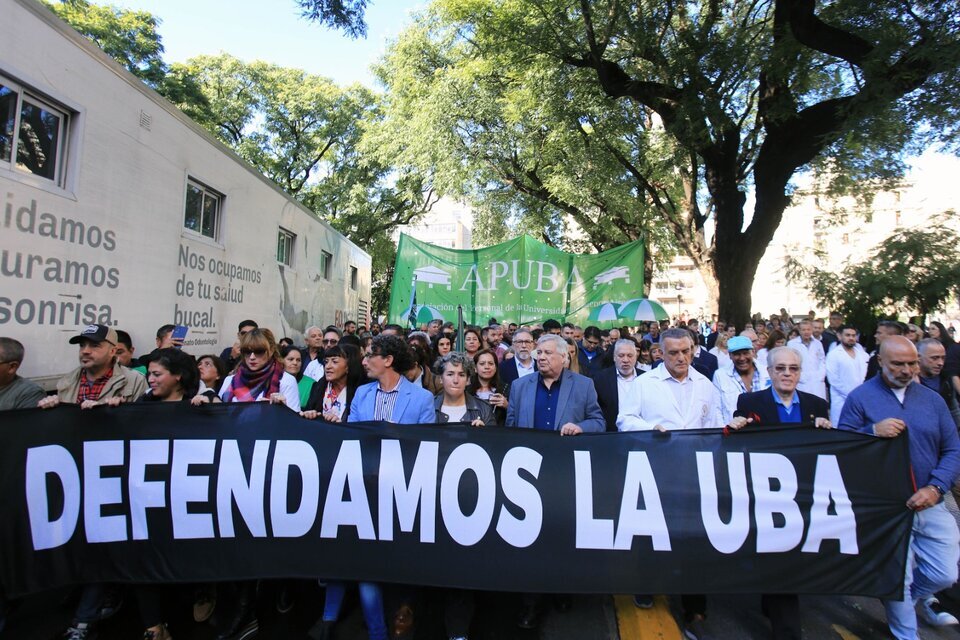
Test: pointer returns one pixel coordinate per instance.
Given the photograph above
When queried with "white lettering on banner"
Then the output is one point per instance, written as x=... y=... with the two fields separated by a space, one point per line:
x=198 y=510
x=100 y=491
x=468 y=530
x=514 y=531
x=726 y=537
x=51 y=460
x=548 y=278
x=185 y=488
x=771 y=538
x=233 y=487
x=598 y=533
x=297 y=454
x=828 y=487
x=144 y=493
x=355 y=510
x=545 y=276
x=421 y=492
x=641 y=522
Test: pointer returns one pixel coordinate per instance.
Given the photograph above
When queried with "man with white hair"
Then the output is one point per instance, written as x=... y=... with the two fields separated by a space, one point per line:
x=612 y=383
x=555 y=398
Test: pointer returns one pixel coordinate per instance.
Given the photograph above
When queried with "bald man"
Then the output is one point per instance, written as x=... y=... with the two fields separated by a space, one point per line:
x=887 y=406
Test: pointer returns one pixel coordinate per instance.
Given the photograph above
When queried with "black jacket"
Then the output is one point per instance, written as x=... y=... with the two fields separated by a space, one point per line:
x=476 y=408
x=508 y=370
x=608 y=395
x=761 y=406
x=315 y=401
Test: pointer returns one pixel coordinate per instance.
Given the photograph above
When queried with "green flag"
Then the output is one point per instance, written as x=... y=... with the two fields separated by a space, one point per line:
x=521 y=280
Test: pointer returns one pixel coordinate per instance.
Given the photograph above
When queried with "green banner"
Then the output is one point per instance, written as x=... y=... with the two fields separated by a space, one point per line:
x=522 y=281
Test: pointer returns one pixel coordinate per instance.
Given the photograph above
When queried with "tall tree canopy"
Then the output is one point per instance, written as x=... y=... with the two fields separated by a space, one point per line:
x=300 y=130
x=630 y=117
x=347 y=15
x=310 y=137
x=914 y=271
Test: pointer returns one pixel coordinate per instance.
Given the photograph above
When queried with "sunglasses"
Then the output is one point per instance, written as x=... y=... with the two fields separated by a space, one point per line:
x=255 y=352
x=334 y=341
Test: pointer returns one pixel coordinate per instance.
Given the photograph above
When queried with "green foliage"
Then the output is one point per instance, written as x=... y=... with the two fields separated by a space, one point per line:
x=914 y=271
x=310 y=136
x=300 y=130
x=339 y=14
x=129 y=37
x=656 y=118
x=536 y=148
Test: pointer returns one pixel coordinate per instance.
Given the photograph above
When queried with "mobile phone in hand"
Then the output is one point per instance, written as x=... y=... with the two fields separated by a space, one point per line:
x=179 y=333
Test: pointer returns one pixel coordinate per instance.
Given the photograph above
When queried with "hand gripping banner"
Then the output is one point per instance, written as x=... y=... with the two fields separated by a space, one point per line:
x=172 y=493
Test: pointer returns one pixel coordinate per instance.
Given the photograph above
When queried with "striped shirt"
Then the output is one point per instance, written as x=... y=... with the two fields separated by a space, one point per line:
x=385 y=402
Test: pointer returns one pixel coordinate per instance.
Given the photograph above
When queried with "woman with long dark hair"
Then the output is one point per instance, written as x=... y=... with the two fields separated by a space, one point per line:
x=332 y=394
x=937 y=331
x=486 y=385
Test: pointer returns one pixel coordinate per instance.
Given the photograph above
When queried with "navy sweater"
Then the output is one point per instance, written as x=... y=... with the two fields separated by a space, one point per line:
x=934 y=444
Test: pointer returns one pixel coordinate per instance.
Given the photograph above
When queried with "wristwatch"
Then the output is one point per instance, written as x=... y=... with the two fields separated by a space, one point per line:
x=937 y=488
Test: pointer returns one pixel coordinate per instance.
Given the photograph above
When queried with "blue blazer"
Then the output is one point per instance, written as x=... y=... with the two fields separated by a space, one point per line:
x=414 y=404
x=577 y=403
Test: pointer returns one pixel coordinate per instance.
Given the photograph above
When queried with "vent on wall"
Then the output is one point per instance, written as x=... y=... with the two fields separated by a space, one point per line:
x=145 y=120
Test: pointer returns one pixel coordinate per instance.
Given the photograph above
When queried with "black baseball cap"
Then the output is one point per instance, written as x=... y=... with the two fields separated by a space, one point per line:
x=96 y=333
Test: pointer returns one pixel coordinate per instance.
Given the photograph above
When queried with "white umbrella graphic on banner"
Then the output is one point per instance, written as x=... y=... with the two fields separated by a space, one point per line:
x=425 y=313
x=608 y=311
x=643 y=309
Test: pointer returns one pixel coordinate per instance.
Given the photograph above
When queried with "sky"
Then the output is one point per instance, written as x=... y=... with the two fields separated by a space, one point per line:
x=273 y=31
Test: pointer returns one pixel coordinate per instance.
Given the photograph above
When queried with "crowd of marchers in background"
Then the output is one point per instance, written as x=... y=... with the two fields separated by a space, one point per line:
x=688 y=374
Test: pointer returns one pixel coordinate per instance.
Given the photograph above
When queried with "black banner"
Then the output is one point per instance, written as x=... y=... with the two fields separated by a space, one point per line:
x=180 y=494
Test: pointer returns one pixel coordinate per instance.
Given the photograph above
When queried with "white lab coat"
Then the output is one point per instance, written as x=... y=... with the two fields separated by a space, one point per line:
x=652 y=402
x=814 y=374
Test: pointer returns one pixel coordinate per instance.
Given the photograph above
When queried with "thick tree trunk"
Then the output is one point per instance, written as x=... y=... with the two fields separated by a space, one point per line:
x=735 y=274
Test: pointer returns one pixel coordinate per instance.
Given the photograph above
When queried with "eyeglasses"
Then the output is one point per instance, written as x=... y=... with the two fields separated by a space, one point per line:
x=523 y=342
x=334 y=341
x=246 y=353
x=782 y=368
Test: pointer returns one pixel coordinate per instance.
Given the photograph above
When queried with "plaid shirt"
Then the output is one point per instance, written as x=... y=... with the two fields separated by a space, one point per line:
x=92 y=390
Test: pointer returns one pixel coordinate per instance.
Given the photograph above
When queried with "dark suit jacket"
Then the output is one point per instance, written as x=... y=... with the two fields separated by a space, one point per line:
x=608 y=395
x=315 y=401
x=508 y=370
x=706 y=363
x=760 y=404
x=589 y=367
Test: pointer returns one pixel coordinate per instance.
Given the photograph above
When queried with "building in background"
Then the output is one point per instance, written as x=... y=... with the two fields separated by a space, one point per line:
x=816 y=226
x=449 y=225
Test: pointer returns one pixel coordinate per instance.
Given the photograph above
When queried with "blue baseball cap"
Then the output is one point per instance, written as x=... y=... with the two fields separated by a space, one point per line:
x=738 y=343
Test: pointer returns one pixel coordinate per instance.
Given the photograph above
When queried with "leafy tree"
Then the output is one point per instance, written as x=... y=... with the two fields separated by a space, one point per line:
x=347 y=15
x=538 y=149
x=310 y=137
x=129 y=37
x=912 y=271
x=710 y=100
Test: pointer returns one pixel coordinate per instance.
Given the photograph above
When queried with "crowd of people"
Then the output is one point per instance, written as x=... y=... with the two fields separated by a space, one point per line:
x=555 y=377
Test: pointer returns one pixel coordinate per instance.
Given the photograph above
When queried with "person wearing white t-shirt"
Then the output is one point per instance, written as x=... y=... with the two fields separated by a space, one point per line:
x=846 y=369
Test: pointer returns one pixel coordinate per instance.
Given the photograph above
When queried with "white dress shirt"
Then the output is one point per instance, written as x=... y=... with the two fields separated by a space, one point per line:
x=657 y=398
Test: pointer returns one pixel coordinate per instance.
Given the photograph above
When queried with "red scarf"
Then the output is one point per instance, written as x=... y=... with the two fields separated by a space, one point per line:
x=248 y=385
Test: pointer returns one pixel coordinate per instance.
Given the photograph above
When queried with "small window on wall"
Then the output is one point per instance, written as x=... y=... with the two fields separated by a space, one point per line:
x=326 y=262
x=202 y=210
x=33 y=133
x=285 y=242
x=353 y=278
